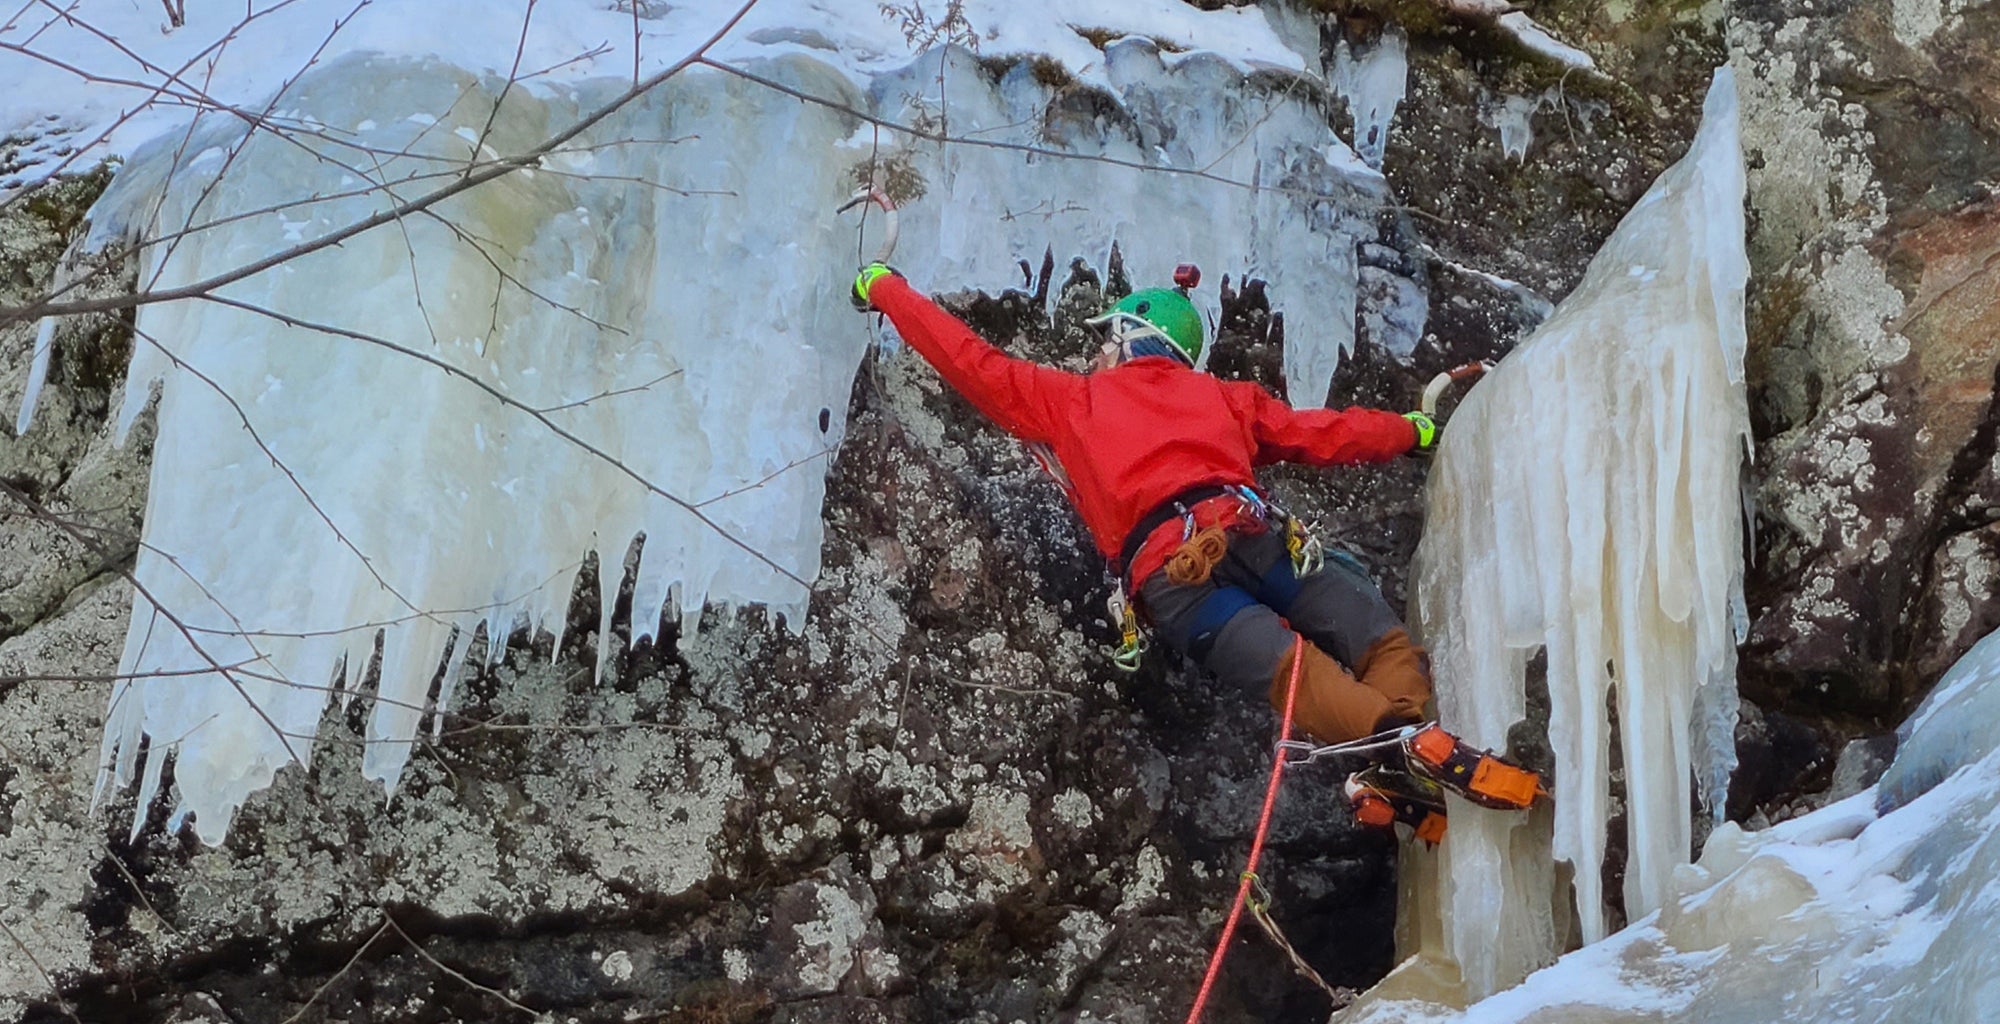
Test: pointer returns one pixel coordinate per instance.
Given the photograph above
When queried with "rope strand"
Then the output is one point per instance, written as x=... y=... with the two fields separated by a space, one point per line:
x=1256 y=842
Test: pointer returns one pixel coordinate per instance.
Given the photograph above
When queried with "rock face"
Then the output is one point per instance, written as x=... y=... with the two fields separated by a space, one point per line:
x=939 y=802
x=1873 y=148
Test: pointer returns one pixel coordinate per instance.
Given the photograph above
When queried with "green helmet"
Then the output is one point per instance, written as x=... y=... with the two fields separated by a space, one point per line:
x=1163 y=313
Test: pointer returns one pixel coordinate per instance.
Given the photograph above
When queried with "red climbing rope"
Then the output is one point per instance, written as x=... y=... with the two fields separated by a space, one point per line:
x=1256 y=842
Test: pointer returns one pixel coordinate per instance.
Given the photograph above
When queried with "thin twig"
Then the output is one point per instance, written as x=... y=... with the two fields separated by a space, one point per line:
x=513 y=75
x=614 y=392
x=337 y=975
x=440 y=965
x=767 y=478
x=279 y=464
x=159 y=609
x=54 y=992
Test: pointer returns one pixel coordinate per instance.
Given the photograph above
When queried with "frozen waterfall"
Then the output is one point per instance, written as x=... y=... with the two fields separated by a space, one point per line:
x=1586 y=505
x=425 y=429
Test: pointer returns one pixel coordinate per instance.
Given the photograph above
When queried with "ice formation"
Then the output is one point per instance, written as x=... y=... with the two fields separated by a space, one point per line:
x=1955 y=726
x=646 y=333
x=1373 y=78
x=992 y=205
x=1585 y=504
x=1836 y=916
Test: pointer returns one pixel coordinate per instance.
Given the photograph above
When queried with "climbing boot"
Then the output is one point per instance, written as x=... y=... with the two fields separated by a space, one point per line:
x=1478 y=775
x=1382 y=796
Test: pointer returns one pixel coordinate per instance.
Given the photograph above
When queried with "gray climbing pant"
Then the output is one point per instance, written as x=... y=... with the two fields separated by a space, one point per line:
x=1361 y=672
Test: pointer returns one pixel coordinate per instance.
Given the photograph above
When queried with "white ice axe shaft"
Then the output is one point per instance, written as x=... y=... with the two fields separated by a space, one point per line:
x=890 y=226
x=1436 y=388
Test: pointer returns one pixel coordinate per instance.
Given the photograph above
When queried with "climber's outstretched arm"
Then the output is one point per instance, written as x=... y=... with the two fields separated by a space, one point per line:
x=1024 y=398
x=1320 y=437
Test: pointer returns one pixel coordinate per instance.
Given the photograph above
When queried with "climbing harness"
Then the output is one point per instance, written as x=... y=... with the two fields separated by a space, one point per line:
x=1249 y=876
x=1194 y=561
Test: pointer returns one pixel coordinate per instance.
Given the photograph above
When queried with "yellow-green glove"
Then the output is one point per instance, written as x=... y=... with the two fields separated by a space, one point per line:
x=1427 y=433
x=865 y=280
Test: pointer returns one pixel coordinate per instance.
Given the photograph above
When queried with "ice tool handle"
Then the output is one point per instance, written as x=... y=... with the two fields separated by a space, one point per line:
x=890 y=224
x=1436 y=388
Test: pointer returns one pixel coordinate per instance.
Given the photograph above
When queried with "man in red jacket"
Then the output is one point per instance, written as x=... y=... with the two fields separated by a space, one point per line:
x=1158 y=459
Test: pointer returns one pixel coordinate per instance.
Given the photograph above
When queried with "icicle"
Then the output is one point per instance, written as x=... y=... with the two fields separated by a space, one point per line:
x=1373 y=81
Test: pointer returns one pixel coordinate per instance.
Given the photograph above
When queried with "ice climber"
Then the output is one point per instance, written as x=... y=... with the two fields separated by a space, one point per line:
x=1158 y=459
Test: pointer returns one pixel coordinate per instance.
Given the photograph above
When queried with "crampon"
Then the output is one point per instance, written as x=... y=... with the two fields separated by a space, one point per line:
x=1382 y=796
x=1480 y=776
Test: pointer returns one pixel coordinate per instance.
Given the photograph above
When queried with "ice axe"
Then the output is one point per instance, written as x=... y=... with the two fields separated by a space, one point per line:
x=1436 y=388
x=890 y=227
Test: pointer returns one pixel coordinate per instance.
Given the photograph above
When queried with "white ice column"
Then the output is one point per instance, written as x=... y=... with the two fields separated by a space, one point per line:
x=1585 y=504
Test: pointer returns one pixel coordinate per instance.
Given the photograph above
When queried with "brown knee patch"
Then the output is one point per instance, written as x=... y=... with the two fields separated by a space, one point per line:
x=1400 y=671
x=1331 y=705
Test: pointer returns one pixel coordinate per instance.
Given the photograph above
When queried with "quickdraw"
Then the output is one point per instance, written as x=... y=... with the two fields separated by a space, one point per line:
x=1131 y=649
x=1302 y=752
x=1308 y=557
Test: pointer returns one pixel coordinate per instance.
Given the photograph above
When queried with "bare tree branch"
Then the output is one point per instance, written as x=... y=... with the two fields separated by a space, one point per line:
x=279 y=464
x=159 y=609
x=487 y=172
x=154 y=91
x=537 y=415
x=339 y=974
x=513 y=75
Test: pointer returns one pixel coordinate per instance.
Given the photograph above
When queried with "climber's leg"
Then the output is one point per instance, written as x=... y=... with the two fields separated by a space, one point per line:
x=1342 y=611
x=1248 y=646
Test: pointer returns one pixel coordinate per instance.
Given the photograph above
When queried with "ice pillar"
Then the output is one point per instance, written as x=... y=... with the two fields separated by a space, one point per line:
x=1586 y=505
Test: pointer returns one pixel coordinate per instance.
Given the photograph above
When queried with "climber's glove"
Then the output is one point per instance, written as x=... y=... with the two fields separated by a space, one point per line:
x=1427 y=433
x=865 y=280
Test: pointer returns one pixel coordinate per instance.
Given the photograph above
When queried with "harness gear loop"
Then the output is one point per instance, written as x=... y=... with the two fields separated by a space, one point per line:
x=1308 y=556
x=1131 y=649
x=1201 y=549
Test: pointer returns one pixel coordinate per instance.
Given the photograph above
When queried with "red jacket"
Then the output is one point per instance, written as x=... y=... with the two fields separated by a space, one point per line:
x=1133 y=436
